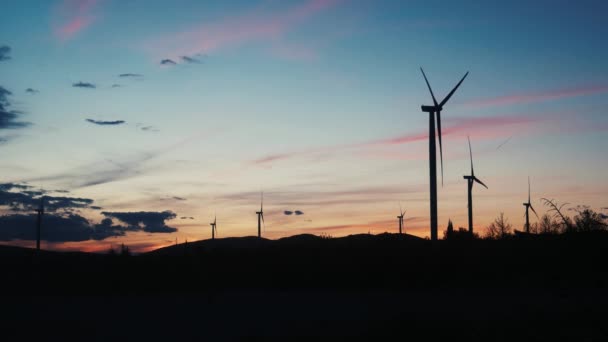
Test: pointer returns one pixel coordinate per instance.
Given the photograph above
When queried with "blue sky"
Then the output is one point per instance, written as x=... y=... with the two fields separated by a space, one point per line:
x=316 y=102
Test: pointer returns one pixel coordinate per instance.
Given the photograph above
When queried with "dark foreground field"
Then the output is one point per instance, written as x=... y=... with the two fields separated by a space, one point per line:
x=359 y=287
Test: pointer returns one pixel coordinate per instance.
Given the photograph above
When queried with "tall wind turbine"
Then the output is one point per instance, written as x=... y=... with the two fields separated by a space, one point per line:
x=213 y=227
x=39 y=214
x=260 y=216
x=471 y=180
x=528 y=205
x=436 y=108
x=400 y=217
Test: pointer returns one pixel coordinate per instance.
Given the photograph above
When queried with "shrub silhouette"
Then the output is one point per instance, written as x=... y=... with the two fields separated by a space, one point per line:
x=499 y=229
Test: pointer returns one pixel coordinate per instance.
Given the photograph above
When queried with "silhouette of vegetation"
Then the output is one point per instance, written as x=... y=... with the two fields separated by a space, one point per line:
x=556 y=209
x=499 y=229
x=124 y=251
x=462 y=234
x=588 y=220
x=548 y=225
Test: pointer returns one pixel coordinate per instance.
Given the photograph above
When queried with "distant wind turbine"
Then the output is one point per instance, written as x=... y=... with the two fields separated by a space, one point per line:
x=435 y=108
x=471 y=180
x=40 y=213
x=400 y=218
x=261 y=216
x=528 y=205
x=213 y=227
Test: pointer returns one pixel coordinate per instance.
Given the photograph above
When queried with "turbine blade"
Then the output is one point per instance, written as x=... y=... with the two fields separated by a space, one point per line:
x=480 y=182
x=471 y=155
x=428 y=85
x=262 y=201
x=534 y=211
x=440 y=145
x=453 y=90
x=528 y=189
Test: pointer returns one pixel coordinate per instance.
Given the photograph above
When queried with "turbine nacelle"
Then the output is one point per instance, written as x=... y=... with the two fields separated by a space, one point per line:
x=431 y=109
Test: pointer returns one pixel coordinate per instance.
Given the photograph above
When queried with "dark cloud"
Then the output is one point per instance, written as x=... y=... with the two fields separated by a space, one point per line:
x=31 y=91
x=106 y=123
x=287 y=212
x=179 y=198
x=149 y=129
x=95 y=207
x=190 y=60
x=115 y=85
x=57 y=228
x=19 y=197
x=298 y=212
x=167 y=62
x=4 y=53
x=147 y=221
x=8 y=117
x=61 y=221
x=187 y=218
x=84 y=85
x=130 y=75
x=603 y=216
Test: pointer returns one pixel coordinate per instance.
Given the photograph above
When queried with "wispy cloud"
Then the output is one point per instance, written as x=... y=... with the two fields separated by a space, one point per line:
x=556 y=94
x=107 y=171
x=8 y=117
x=106 y=123
x=130 y=75
x=191 y=60
x=478 y=126
x=4 y=53
x=167 y=61
x=31 y=91
x=84 y=85
x=73 y=17
x=257 y=25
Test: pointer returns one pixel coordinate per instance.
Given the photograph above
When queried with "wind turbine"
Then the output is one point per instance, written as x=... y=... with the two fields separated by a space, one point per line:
x=471 y=180
x=528 y=205
x=39 y=214
x=213 y=227
x=400 y=217
x=436 y=108
x=260 y=216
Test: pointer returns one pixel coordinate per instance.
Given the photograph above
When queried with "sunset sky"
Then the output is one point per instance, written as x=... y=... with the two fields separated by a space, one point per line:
x=134 y=108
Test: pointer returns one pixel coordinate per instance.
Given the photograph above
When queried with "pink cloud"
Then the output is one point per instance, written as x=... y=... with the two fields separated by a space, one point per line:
x=480 y=127
x=254 y=26
x=73 y=17
x=538 y=97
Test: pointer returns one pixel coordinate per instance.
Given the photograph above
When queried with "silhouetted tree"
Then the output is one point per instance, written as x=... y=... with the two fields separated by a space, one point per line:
x=499 y=229
x=124 y=250
x=447 y=234
x=556 y=209
x=111 y=252
x=547 y=225
x=588 y=220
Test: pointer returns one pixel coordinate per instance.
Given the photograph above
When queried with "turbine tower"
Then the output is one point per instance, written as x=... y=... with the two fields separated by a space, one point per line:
x=260 y=216
x=528 y=205
x=39 y=214
x=436 y=108
x=213 y=227
x=471 y=180
x=400 y=217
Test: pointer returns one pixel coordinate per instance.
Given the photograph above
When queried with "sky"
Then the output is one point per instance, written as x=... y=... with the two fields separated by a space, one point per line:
x=142 y=120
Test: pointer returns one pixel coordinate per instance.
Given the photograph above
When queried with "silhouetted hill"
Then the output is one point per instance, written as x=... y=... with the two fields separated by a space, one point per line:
x=367 y=286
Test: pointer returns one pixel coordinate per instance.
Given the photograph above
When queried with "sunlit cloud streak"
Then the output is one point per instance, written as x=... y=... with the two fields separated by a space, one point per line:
x=488 y=127
x=73 y=17
x=253 y=26
x=538 y=96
